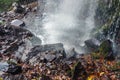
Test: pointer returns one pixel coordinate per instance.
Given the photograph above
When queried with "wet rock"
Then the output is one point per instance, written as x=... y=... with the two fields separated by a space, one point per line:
x=50 y=57
x=92 y=44
x=4 y=66
x=10 y=68
x=1 y=22
x=14 y=69
x=17 y=22
x=46 y=48
x=2 y=32
x=46 y=52
x=35 y=41
x=23 y=50
x=12 y=47
x=118 y=36
x=35 y=9
x=11 y=35
x=118 y=57
x=14 y=77
x=106 y=50
x=15 y=32
x=23 y=32
x=71 y=54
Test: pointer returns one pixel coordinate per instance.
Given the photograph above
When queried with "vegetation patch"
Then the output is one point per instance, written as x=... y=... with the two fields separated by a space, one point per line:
x=5 y=4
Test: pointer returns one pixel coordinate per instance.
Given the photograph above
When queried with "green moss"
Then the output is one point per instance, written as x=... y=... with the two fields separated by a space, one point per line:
x=105 y=27
x=107 y=13
x=5 y=4
x=105 y=48
x=95 y=55
x=118 y=64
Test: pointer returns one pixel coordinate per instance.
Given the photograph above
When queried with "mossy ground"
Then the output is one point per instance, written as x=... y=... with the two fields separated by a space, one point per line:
x=5 y=4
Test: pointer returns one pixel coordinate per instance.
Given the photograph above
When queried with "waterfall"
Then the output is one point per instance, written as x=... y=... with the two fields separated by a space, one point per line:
x=66 y=21
x=69 y=22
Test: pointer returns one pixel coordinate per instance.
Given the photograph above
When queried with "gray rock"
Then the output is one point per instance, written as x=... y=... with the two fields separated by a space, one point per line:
x=10 y=68
x=92 y=44
x=50 y=57
x=35 y=41
x=4 y=66
x=45 y=48
x=17 y=22
x=71 y=53
x=12 y=37
x=14 y=77
x=45 y=53
x=14 y=69
x=106 y=50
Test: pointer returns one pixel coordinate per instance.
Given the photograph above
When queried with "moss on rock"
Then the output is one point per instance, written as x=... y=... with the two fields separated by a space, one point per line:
x=105 y=48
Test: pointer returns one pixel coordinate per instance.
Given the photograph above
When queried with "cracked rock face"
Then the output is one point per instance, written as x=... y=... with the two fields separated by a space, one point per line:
x=11 y=38
x=48 y=53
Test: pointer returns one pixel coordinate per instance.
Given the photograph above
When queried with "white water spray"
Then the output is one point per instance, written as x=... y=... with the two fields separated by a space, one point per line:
x=70 y=22
x=65 y=21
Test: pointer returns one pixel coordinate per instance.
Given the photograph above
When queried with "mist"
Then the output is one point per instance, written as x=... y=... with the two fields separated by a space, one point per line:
x=69 y=22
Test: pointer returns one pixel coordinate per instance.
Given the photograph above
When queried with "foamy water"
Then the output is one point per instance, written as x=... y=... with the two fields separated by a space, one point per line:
x=66 y=21
x=70 y=23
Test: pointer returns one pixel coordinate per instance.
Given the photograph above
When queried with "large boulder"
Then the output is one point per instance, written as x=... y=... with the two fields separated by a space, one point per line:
x=12 y=37
x=35 y=41
x=45 y=53
x=106 y=50
x=72 y=53
x=92 y=44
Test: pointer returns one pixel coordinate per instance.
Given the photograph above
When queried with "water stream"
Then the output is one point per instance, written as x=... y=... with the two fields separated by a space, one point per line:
x=64 y=21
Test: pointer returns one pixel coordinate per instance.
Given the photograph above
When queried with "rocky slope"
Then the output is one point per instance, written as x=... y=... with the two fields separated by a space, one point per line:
x=20 y=59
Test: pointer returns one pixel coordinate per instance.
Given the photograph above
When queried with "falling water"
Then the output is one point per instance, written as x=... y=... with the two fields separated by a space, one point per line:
x=66 y=21
x=70 y=22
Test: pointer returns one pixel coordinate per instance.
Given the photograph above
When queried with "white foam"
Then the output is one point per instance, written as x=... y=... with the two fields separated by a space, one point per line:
x=71 y=23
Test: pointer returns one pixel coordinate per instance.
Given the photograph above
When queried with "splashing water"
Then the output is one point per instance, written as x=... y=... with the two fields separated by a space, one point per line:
x=70 y=23
x=67 y=21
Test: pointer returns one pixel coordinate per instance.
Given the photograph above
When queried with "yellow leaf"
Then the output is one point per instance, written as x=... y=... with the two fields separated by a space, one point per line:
x=1 y=78
x=91 y=77
x=102 y=73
